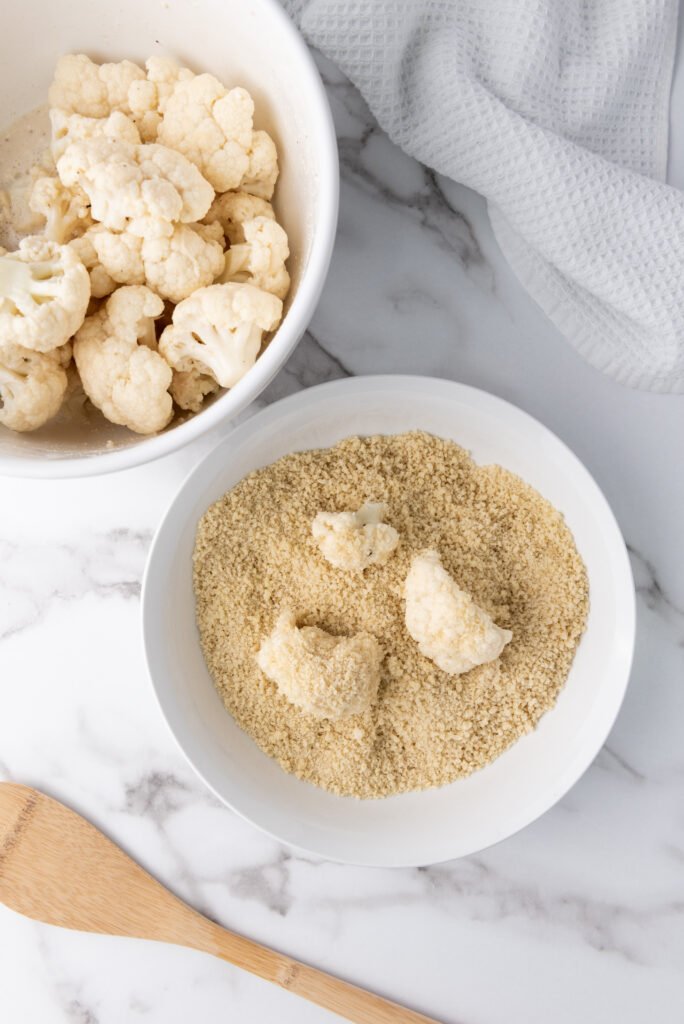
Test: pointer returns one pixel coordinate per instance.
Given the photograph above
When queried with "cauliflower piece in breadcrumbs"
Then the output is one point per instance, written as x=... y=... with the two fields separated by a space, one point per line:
x=325 y=676
x=449 y=628
x=355 y=540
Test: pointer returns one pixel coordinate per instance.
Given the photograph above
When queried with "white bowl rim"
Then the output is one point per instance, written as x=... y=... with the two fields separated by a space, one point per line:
x=584 y=756
x=281 y=347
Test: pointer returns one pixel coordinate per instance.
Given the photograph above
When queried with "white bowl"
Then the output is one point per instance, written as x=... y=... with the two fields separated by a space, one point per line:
x=246 y=42
x=433 y=825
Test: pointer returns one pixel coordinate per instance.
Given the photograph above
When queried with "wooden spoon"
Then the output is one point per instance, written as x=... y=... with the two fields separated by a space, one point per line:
x=58 y=868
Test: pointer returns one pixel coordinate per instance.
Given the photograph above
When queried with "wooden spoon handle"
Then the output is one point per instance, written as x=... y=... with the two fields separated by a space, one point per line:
x=58 y=868
x=355 y=1004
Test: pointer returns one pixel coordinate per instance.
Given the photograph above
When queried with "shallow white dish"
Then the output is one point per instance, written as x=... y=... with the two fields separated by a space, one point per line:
x=247 y=42
x=433 y=825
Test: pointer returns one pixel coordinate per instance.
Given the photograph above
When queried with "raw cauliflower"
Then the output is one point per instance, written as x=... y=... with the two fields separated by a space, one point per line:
x=44 y=294
x=66 y=210
x=189 y=389
x=218 y=331
x=101 y=284
x=262 y=168
x=137 y=188
x=260 y=259
x=355 y=540
x=32 y=385
x=212 y=127
x=233 y=209
x=68 y=128
x=148 y=97
x=325 y=676
x=449 y=628
x=120 y=369
x=174 y=265
x=93 y=90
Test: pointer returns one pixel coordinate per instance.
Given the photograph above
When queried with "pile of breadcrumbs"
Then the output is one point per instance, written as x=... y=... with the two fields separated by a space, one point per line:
x=500 y=540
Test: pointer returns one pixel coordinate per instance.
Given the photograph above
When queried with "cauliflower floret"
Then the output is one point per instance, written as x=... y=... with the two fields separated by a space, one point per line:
x=148 y=97
x=449 y=628
x=44 y=294
x=233 y=209
x=137 y=188
x=260 y=259
x=82 y=87
x=212 y=127
x=355 y=540
x=189 y=389
x=69 y=128
x=173 y=265
x=66 y=210
x=262 y=169
x=326 y=676
x=101 y=284
x=32 y=385
x=218 y=330
x=120 y=370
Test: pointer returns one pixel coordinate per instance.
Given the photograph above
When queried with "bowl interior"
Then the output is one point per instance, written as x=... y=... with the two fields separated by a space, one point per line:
x=421 y=827
x=246 y=42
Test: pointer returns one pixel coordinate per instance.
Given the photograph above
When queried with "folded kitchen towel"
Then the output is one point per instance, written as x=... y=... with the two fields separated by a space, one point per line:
x=557 y=112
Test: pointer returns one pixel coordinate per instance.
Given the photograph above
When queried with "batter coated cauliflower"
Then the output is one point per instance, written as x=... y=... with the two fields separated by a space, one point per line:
x=66 y=210
x=32 y=385
x=262 y=168
x=449 y=628
x=174 y=265
x=93 y=90
x=218 y=330
x=189 y=388
x=211 y=126
x=149 y=96
x=135 y=187
x=101 y=284
x=326 y=676
x=260 y=259
x=120 y=369
x=233 y=209
x=44 y=294
x=69 y=128
x=355 y=540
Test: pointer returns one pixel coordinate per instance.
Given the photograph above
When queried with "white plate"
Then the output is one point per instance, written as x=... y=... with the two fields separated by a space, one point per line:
x=414 y=828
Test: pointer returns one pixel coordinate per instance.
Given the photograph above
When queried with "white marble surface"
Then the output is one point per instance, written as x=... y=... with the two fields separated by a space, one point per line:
x=581 y=916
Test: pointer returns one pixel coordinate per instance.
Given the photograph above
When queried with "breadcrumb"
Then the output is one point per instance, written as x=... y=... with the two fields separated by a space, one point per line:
x=501 y=540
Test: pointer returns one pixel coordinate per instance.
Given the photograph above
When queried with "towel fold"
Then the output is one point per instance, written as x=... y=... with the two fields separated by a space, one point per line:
x=557 y=112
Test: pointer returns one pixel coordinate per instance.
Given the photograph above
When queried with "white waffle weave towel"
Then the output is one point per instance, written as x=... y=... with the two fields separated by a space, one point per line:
x=557 y=112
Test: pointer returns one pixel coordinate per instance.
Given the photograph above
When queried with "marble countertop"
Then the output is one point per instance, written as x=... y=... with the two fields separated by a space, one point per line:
x=580 y=916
